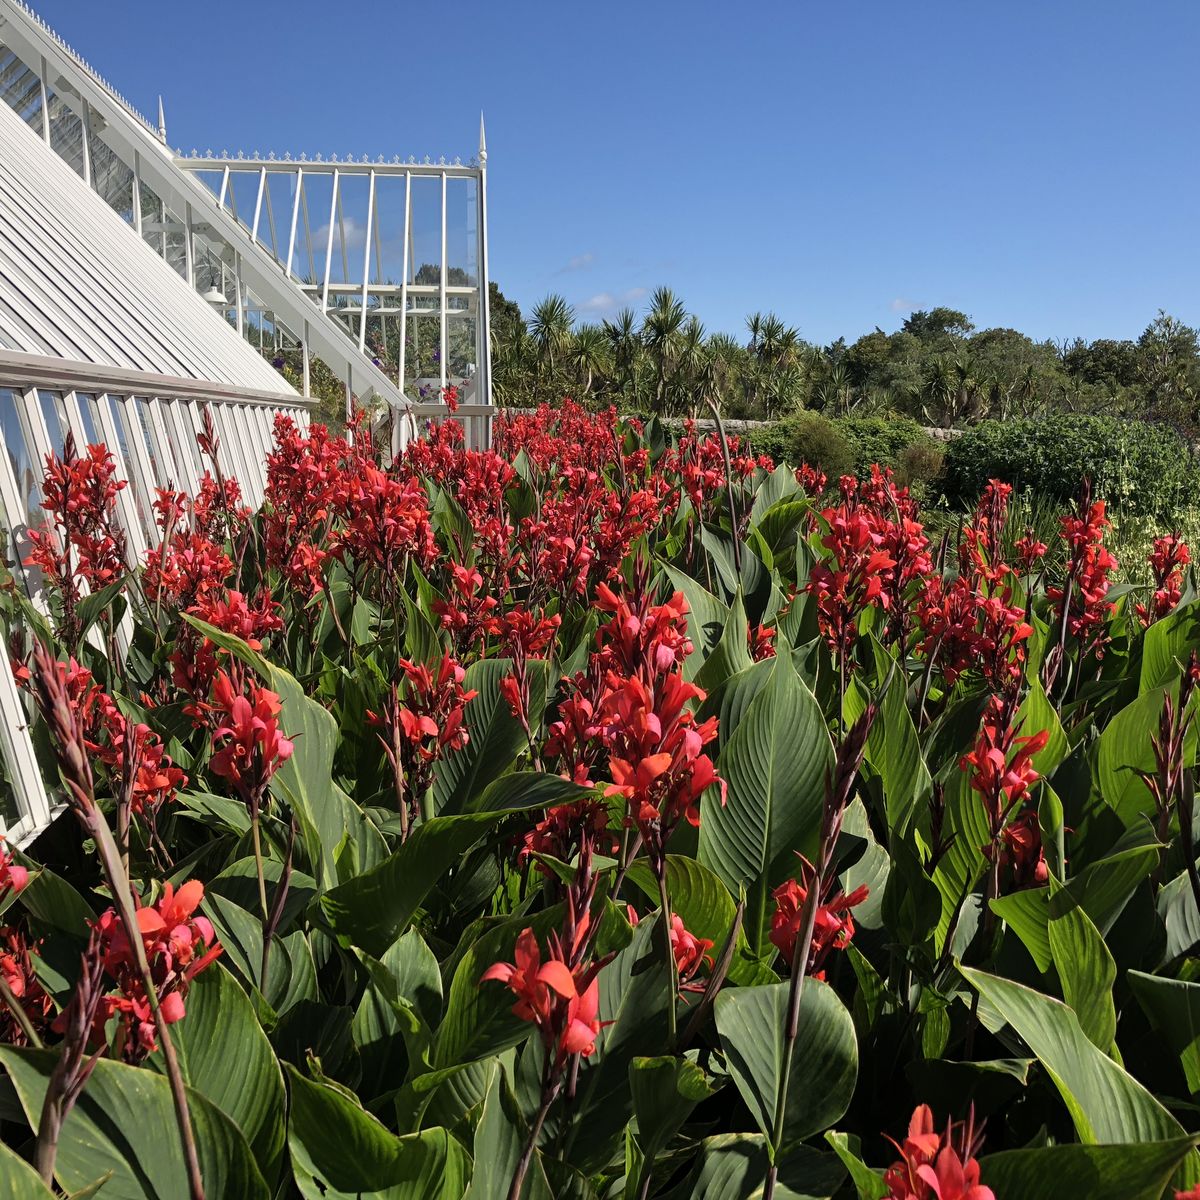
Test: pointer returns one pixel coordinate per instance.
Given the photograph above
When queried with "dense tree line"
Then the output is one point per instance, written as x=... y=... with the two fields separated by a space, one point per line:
x=938 y=368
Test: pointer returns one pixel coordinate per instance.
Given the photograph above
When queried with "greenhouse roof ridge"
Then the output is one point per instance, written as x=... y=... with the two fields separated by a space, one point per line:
x=82 y=62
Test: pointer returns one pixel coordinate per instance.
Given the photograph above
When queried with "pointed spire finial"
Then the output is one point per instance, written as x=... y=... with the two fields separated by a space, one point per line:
x=162 y=123
x=482 y=142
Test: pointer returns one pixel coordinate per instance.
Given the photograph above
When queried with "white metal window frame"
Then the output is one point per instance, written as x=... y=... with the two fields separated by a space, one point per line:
x=152 y=444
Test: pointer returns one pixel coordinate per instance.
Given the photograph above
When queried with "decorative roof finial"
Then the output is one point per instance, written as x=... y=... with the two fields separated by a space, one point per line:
x=162 y=123
x=482 y=142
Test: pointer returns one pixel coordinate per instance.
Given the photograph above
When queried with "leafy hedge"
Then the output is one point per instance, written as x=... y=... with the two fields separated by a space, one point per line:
x=841 y=445
x=1141 y=469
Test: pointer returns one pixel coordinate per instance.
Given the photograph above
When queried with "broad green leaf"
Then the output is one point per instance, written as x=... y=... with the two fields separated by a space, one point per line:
x=775 y=764
x=868 y=1184
x=1105 y=1103
x=1140 y=1172
x=733 y=1166
x=707 y=618
x=751 y=1022
x=1177 y=910
x=124 y=1122
x=52 y=900
x=496 y=737
x=778 y=486
x=1085 y=969
x=779 y=524
x=224 y=1054
x=18 y=1180
x=528 y=789
x=305 y=781
x=339 y=1148
x=703 y=903
x=893 y=748
x=1038 y=715
x=960 y=868
x=731 y=654
x=1173 y=1007
x=1102 y=890
x=1125 y=748
x=1167 y=644
x=635 y=989
x=500 y=1137
x=479 y=1021
x=291 y=972
x=372 y=910
x=664 y=1091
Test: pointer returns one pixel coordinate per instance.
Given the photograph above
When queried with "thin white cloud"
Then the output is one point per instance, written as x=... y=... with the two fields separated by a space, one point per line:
x=608 y=302
x=579 y=263
x=902 y=304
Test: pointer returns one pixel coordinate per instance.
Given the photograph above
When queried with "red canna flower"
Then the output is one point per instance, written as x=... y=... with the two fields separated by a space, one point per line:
x=1002 y=772
x=563 y=1006
x=178 y=943
x=13 y=877
x=249 y=747
x=832 y=929
x=1089 y=566
x=17 y=968
x=936 y=1166
x=1167 y=560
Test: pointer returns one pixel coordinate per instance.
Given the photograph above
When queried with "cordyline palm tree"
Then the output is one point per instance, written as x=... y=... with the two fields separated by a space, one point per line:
x=550 y=327
x=661 y=332
x=690 y=359
x=625 y=346
x=515 y=368
x=939 y=388
x=586 y=356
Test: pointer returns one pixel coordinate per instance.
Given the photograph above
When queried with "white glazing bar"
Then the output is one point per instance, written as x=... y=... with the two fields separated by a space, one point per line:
x=138 y=534
x=164 y=450
x=404 y=276
x=271 y=224
x=137 y=193
x=85 y=138
x=35 y=428
x=187 y=455
x=308 y=238
x=333 y=208
x=367 y=241
x=295 y=217
x=29 y=791
x=231 y=456
x=44 y=89
x=189 y=253
x=224 y=188
x=341 y=219
x=258 y=200
x=13 y=501
x=237 y=284
x=255 y=422
x=305 y=366
x=142 y=474
x=442 y=318
x=235 y=419
x=483 y=332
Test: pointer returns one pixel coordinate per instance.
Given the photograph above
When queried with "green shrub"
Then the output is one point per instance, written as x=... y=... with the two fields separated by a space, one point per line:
x=813 y=439
x=770 y=439
x=881 y=439
x=919 y=466
x=1141 y=469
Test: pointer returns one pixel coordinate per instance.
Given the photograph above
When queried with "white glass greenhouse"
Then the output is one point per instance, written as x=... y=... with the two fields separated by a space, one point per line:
x=139 y=286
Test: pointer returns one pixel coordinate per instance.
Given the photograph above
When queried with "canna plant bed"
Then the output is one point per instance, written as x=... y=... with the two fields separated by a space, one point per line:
x=603 y=815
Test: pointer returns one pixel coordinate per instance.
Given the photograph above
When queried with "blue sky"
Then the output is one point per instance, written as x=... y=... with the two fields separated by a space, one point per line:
x=1033 y=164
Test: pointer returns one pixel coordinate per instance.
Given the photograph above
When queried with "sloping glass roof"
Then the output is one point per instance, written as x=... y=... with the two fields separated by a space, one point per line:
x=77 y=283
